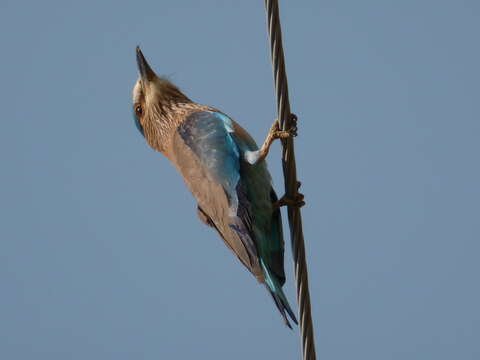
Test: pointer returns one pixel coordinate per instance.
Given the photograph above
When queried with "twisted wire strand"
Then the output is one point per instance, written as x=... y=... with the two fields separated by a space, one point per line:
x=291 y=183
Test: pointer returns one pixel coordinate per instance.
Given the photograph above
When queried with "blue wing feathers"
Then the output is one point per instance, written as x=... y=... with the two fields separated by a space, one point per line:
x=213 y=138
x=207 y=136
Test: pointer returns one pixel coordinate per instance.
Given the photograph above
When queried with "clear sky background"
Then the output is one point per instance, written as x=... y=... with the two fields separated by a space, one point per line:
x=101 y=253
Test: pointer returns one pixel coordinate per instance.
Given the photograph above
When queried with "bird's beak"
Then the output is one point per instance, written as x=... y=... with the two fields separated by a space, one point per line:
x=145 y=70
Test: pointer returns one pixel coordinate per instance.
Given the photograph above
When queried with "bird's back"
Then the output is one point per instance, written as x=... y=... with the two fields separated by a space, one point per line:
x=235 y=196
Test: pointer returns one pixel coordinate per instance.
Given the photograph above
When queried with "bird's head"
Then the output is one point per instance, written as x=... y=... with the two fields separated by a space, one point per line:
x=153 y=100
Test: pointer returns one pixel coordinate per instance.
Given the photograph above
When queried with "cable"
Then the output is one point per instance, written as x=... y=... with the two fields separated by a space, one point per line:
x=291 y=183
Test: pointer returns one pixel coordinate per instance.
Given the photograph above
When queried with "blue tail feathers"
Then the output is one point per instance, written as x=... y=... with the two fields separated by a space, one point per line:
x=275 y=289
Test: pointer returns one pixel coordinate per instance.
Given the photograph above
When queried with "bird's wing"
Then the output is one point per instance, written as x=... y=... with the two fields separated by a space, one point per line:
x=266 y=220
x=208 y=158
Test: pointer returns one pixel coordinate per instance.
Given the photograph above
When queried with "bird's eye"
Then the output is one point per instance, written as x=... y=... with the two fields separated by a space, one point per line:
x=138 y=110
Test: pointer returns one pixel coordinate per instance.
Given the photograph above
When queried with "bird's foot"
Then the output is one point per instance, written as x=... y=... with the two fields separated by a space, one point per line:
x=277 y=133
x=297 y=200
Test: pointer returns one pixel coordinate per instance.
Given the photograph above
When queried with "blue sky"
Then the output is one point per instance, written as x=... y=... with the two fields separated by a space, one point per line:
x=101 y=253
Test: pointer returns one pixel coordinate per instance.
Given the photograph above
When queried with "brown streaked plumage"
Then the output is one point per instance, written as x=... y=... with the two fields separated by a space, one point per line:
x=164 y=107
x=224 y=170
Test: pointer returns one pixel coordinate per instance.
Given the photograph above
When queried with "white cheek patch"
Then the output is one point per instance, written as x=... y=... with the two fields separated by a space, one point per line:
x=137 y=92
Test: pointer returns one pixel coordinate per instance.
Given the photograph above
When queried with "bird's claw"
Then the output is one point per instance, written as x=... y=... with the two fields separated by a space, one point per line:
x=297 y=200
x=285 y=134
x=277 y=133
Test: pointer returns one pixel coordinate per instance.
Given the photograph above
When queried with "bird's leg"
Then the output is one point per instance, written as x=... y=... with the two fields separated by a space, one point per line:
x=276 y=133
x=296 y=200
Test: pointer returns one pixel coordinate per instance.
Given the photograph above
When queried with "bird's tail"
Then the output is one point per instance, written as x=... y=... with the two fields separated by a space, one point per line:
x=275 y=289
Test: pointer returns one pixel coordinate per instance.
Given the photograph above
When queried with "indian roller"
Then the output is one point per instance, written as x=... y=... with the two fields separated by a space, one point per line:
x=225 y=171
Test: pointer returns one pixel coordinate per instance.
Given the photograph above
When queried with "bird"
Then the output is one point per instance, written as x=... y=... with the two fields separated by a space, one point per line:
x=225 y=171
